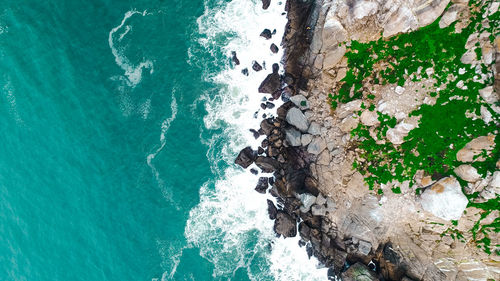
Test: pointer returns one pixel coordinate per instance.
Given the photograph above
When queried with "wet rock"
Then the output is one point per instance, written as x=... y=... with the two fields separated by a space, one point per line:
x=296 y=118
x=260 y=150
x=263 y=105
x=270 y=84
x=246 y=157
x=285 y=225
x=262 y=185
x=266 y=33
x=293 y=137
x=254 y=171
x=234 y=58
x=256 y=66
x=244 y=71
x=276 y=67
x=267 y=164
x=467 y=173
x=300 y=101
x=445 y=199
x=359 y=272
x=274 y=48
x=304 y=231
x=267 y=127
x=269 y=105
x=271 y=209
x=256 y=134
x=311 y=185
x=265 y=4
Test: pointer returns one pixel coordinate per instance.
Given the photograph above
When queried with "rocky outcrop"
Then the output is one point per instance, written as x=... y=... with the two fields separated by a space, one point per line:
x=361 y=234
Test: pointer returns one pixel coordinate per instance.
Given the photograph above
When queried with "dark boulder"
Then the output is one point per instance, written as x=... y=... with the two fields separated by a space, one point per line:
x=254 y=171
x=260 y=150
x=246 y=157
x=267 y=164
x=244 y=71
x=269 y=105
x=262 y=185
x=271 y=209
x=256 y=66
x=274 y=48
x=285 y=225
x=265 y=4
x=305 y=231
x=266 y=33
x=311 y=221
x=276 y=67
x=263 y=105
x=270 y=84
x=267 y=127
x=234 y=58
x=256 y=134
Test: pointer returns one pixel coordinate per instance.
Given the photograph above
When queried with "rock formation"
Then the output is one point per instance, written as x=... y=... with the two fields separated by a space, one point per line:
x=364 y=216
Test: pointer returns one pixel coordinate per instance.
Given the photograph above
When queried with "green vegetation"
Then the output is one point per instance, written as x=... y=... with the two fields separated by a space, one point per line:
x=444 y=127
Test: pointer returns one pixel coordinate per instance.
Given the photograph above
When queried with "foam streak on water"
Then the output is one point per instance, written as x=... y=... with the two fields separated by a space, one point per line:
x=133 y=72
x=149 y=159
x=230 y=225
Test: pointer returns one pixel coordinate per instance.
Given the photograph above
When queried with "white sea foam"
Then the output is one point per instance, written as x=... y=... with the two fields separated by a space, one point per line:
x=133 y=71
x=230 y=225
x=167 y=192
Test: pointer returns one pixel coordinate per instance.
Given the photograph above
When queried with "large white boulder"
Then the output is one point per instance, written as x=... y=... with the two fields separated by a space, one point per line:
x=445 y=199
x=467 y=173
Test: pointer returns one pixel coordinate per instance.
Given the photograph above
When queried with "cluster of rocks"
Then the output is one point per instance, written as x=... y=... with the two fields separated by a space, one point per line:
x=318 y=196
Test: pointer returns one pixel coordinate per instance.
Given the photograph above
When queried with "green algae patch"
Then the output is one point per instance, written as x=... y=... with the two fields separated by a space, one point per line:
x=444 y=127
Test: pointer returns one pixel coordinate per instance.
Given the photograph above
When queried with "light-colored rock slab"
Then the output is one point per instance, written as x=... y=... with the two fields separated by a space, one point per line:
x=296 y=118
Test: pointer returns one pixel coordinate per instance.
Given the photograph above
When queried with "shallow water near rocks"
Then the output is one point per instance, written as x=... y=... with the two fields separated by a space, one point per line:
x=120 y=123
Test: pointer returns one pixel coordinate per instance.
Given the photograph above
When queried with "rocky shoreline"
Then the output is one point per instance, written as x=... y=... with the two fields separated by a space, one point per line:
x=342 y=235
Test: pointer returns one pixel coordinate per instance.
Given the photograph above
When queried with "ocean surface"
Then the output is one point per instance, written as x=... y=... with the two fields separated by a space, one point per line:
x=119 y=125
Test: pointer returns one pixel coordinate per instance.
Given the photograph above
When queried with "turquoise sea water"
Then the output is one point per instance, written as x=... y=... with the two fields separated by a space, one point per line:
x=115 y=148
